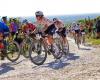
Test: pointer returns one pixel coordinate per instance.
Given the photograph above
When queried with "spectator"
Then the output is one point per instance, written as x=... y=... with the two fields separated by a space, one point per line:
x=98 y=28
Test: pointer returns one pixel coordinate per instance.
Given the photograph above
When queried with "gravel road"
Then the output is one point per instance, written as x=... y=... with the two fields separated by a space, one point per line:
x=83 y=64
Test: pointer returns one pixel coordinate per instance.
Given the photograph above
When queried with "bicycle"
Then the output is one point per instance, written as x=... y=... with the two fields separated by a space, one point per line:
x=10 y=49
x=24 y=41
x=60 y=43
x=77 y=38
x=39 y=49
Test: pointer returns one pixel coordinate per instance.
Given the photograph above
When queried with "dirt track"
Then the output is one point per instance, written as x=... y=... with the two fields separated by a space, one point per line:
x=83 y=64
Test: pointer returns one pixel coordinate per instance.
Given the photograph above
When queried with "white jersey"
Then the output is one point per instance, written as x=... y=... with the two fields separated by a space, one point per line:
x=45 y=22
x=75 y=27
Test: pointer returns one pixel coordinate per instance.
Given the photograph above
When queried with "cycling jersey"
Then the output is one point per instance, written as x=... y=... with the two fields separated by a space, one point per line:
x=28 y=27
x=45 y=22
x=77 y=27
x=39 y=27
x=61 y=30
x=3 y=28
x=48 y=26
x=13 y=27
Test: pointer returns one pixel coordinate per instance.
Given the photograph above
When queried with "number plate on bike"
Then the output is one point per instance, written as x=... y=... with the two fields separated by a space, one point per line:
x=56 y=35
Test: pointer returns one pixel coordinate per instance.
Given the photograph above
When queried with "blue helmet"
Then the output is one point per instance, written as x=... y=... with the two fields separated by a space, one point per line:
x=25 y=21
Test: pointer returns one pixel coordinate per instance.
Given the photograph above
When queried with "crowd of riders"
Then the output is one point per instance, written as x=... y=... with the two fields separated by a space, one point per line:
x=42 y=25
x=45 y=26
x=91 y=28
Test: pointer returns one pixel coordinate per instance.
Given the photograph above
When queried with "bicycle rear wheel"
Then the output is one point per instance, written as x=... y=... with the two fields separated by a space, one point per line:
x=13 y=51
x=57 y=46
x=78 y=41
x=37 y=52
x=66 y=48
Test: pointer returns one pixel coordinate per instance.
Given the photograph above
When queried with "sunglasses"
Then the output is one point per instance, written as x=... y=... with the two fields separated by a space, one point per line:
x=37 y=16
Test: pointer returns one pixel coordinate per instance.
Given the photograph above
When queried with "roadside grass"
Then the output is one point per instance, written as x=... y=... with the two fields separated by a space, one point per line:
x=93 y=41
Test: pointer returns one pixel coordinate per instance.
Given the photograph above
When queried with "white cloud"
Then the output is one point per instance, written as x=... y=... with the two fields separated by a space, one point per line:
x=49 y=7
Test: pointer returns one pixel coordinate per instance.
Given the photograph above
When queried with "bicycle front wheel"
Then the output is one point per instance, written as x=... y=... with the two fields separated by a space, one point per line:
x=37 y=52
x=13 y=51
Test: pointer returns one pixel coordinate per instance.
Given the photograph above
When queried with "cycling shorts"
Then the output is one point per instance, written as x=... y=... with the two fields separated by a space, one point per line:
x=77 y=31
x=50 y=30
x=62 y=32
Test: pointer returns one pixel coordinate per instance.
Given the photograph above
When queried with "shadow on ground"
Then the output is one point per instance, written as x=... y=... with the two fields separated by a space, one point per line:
x=61 y=63
x=85 y=49
x=5 y=67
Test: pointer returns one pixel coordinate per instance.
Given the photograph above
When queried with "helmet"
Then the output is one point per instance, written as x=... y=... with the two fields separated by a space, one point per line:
x=55 y=19
x=39 y=13
x=25 y=21
x=4 y=17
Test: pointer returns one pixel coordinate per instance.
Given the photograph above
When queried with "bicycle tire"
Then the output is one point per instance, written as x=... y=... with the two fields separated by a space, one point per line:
x=26 y=42
x=58 y=44
x=18 y=53
x=32 y=48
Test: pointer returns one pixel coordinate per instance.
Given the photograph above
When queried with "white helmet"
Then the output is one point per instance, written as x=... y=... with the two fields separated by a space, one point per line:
x=39 y=13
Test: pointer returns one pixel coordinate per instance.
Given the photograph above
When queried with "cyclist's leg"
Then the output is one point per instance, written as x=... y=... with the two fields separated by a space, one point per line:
x=2 y=46
x=77 y=35
x=83 y=36
x=50 y=31
x=63 y=35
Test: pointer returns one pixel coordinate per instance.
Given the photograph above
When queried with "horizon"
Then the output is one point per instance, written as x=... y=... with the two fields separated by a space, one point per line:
x=82 y=14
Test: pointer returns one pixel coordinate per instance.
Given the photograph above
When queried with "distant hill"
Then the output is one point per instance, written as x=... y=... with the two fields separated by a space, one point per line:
x=69 y=18
x=66 y=18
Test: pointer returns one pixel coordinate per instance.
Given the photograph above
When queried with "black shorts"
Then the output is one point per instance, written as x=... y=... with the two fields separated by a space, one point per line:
x=18 y=40
x=13 y=33
x=98 y=30
x=62 y=32
x=90 y=30
x=50 y=30
x=77 y=31
x=82 y=30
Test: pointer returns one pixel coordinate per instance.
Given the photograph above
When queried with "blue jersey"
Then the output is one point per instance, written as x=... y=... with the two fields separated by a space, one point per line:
x=3 y=27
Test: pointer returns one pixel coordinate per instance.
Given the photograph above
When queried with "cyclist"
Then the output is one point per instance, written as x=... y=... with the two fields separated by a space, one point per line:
x=4 y=19
x=48 y=28
x=26 y=27
x=98 y=28
x=3 y=33
x=61 y=30
x=13 y=27
x=82 y=30
x=76 y=28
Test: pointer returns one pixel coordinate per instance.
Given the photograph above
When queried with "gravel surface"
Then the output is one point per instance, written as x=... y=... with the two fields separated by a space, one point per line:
x=83 y=64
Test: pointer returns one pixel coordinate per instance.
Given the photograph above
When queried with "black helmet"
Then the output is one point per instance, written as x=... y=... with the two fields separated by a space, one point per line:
x=55 y=19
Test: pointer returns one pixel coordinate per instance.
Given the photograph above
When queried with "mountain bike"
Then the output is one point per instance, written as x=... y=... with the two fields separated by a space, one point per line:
x=10 y=49
x=39 y=49
x=64 y=48
x=25 y=45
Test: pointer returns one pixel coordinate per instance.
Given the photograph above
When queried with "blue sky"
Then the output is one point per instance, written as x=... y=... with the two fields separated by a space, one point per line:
x=49 y=7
